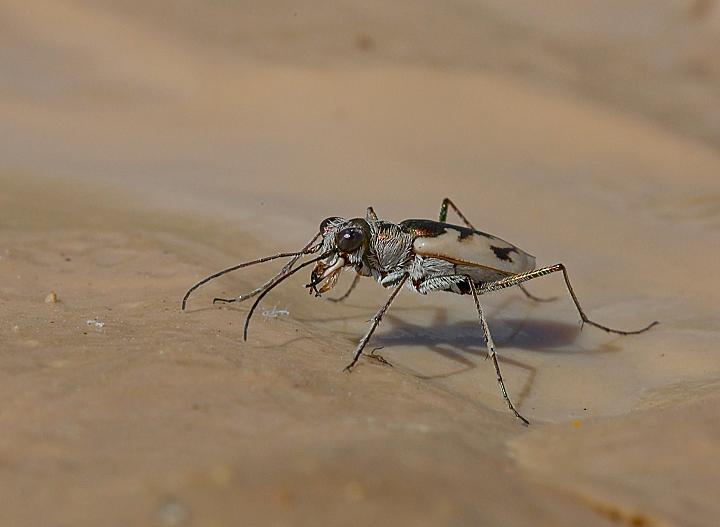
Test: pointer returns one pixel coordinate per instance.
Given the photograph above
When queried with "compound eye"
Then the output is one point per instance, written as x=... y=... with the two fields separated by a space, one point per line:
x=350 y=239
x=326 y=224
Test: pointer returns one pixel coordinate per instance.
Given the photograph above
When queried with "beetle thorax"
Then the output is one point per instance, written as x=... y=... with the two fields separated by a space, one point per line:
x=390 y=247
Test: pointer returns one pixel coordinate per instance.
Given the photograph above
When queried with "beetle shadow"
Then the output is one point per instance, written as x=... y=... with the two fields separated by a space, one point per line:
x=453 y=339
x=529 y=333
x=456 y=341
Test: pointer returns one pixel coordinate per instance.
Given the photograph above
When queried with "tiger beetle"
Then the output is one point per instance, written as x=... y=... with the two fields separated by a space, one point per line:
x=421 y=255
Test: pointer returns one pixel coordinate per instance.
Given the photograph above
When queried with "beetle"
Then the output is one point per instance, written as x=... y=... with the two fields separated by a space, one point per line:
x=421 y=255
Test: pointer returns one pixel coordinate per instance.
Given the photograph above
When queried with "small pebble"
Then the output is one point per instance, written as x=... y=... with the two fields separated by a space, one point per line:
x=95 y=322
x=274 y=312
x=51 y=298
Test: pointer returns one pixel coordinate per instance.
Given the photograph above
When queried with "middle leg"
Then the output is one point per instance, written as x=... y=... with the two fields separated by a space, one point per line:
x=444 y=211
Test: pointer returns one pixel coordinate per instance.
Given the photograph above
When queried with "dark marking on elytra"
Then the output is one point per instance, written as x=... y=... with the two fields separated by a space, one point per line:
x=467 y=233
x=433 y=229
x=423 y=228
x=503 y=253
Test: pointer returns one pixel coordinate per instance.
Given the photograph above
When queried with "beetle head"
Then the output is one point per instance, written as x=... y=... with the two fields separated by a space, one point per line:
x=347 y=242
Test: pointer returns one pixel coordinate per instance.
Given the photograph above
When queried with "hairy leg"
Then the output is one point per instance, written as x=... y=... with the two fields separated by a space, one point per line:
x=537 y=273
x=374 y=323
x=491 y=352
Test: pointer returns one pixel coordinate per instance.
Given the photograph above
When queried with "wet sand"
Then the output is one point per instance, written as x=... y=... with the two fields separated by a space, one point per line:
x=143 y=153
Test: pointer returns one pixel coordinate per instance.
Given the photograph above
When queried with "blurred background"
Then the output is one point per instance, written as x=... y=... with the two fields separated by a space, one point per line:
x=146 y=144
x=226 y=104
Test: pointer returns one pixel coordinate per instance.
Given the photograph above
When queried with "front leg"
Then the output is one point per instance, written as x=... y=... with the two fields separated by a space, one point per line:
x=354 y=284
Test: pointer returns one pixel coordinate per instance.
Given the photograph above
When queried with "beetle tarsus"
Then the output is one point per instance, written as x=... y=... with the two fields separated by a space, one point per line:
x=621 y=332
x=379 y=358
x=218 y=300
x=536 y=298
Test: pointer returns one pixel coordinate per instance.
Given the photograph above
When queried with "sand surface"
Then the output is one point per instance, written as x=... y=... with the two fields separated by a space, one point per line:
x=146 y=145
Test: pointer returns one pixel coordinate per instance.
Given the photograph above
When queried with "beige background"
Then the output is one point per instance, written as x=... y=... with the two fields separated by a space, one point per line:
x=147 y=144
